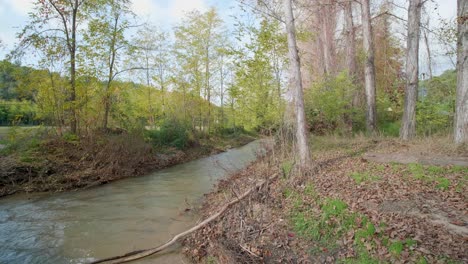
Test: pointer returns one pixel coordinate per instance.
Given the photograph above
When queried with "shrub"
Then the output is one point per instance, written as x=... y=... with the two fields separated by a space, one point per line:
x=171 y=133
x=328 y=104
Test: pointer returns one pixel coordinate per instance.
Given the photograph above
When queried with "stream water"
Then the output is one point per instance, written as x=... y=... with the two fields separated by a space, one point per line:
x=130 y=214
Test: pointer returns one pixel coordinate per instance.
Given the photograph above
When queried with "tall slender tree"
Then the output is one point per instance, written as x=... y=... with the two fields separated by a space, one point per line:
x=369 y=67
x=408 y=125
x=461 y=110
x=56 y=22
x=107 y=45
x=296 y=81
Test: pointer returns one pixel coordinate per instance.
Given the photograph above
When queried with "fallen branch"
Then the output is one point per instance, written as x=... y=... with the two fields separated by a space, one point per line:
x=138 y=254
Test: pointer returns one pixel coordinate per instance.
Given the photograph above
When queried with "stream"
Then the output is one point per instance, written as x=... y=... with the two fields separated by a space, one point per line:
x=130 y=214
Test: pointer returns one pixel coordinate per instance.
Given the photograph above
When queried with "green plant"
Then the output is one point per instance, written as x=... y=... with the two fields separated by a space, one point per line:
x=417 y=170
x=442 y=183
x=171 y=133
x=363 y=177
x=286 y=167
x=396 y=248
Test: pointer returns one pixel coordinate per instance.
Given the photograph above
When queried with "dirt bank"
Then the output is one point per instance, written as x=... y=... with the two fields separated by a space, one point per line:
x=348 y=210
x=59 y=165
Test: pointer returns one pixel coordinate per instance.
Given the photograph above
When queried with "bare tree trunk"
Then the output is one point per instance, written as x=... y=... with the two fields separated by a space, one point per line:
x=369 y=68
x=428 y=49
x=350 y=41
x=72 y=49
x=327 y=18
x=408 y=125
x=296 y=80
x=461 y=111
x=350 y=60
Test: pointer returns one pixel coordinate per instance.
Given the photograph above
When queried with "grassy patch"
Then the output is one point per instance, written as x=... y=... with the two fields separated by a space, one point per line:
x=432 y=175
x=442 y=183
x=363 y=177
x=286 y=168
x=329 y=221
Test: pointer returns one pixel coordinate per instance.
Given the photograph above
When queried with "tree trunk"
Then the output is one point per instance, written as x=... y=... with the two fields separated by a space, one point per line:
x=327 y=18
x=296 y=80
x=408 y=125
x=72 y=46
x=350 y=41
x=369 y=68
x=428 y=50
x=461 y=111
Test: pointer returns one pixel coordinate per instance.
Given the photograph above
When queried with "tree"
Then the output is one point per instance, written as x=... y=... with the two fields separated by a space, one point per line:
x=369 y=67
x=408 y=125
x=107 y=44
x=66 y=15
x=198 y=39
x=350 y=40
x=153 y=52
x=296 y=81
x=461 y=110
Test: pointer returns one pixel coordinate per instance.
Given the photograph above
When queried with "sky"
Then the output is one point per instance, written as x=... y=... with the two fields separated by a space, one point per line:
x=166 y=13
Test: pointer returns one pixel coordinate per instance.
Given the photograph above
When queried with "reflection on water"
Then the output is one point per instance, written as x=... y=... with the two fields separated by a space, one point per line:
x=130 y=214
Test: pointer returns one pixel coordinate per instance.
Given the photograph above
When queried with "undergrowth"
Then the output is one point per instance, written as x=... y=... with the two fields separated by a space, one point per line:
x=327 y=222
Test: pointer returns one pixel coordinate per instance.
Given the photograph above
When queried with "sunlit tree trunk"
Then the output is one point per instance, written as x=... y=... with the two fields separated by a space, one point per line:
x=296 y=80
x=461 y=111
x=408 y=125
x=369 y=68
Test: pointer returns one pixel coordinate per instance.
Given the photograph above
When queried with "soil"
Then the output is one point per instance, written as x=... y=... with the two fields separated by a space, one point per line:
x=60 y=165
x=417 y=218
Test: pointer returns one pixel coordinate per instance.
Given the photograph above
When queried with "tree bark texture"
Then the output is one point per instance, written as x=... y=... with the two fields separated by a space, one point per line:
x=296 y=80
x=408 y=124
x=369 y=68
x=461 y=111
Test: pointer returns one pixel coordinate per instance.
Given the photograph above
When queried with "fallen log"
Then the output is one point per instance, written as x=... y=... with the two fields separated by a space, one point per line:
x=139 y=254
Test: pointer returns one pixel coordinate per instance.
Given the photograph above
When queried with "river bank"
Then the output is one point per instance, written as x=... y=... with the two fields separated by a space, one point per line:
x=61 y=164
x=347 y=210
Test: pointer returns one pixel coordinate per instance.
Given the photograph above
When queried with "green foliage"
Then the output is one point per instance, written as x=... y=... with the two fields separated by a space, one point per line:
x=390 y=128
x=442 y=183
x=70 y=137
x=24 y=141
x=363 y=177
x=430 y=174
x=169 y=134
x=435 y=109
x=286 y=167
x=328 y=102
x=396 y=248
x=328 y=225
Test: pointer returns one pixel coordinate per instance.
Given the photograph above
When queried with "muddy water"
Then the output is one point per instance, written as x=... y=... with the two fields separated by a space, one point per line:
x=126 y=215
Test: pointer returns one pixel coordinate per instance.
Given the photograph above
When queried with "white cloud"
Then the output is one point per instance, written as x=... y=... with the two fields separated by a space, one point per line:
x=179 y=8
x=166 y=12
x=21 y=7
x=144 y=7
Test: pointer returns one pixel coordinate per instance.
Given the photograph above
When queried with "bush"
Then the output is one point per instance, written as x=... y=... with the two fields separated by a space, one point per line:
x=328 y=104
x=435 y=109
x=171 y=133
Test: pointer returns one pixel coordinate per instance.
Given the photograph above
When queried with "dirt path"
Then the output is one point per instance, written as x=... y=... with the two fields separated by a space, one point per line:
x=407 y=158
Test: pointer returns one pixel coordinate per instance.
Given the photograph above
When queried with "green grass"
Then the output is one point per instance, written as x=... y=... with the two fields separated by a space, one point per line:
x=286 y=168
x=433 y=174
x=363 y=177
x=330 y=220
x=330 y=223
x=396 y=248
x=442 y=183
x=4 y=132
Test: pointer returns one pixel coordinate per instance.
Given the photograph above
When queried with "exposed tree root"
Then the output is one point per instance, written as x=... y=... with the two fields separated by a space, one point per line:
x=138 y=254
